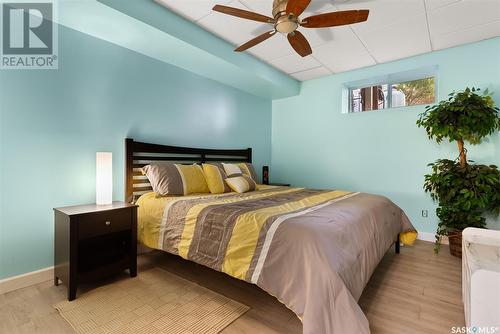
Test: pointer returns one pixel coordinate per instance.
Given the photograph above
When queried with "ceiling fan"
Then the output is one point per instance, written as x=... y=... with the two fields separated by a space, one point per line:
x=286 y=21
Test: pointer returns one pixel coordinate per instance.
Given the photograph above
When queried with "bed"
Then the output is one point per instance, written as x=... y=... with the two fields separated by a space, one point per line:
x=314 y=250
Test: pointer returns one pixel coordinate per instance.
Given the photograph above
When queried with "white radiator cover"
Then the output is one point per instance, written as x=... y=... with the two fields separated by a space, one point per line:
x=481 y=277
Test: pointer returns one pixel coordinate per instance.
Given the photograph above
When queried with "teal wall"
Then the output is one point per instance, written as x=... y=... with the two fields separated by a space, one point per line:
x=315 y=145
x=53 y=122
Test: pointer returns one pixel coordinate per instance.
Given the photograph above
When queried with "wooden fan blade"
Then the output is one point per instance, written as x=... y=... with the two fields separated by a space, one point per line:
x=335 y=19
x=299 y=43
x=245 y=14
x=297 y=7
x=255 y=41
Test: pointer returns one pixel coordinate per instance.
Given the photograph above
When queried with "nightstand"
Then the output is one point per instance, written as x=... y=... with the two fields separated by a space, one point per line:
x=280 y=184
x=94 y=241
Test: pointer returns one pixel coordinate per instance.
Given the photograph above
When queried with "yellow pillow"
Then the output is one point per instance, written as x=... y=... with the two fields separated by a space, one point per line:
x=193 y=179
x=241 y=184
x=408 y=238
x=247 y=169
x=215 y=176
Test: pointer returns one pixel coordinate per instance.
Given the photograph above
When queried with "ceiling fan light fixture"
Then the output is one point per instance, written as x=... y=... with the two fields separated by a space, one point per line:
x=286 y=25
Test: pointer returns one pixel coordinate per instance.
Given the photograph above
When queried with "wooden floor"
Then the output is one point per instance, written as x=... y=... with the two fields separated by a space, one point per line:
x=413 y=292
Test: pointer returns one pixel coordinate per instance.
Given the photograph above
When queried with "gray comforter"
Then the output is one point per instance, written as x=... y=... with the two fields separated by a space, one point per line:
x=315 y=250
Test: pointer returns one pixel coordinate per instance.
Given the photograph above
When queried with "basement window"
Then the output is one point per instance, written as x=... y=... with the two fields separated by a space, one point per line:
x=392 y=91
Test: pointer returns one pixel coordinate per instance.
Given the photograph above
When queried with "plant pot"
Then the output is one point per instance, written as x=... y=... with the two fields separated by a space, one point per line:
x=455 y=239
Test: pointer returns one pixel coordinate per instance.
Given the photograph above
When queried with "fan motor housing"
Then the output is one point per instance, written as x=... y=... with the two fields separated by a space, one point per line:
x=285 y=24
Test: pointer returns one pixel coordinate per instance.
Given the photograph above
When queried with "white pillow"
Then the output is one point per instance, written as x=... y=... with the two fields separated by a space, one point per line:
x=241 y=184
x=232 y=169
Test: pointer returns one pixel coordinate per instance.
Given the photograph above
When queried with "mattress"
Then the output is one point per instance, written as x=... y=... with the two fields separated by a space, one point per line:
x=314 y=250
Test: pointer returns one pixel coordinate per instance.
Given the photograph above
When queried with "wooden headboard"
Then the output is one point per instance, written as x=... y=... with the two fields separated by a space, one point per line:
x=138 y=155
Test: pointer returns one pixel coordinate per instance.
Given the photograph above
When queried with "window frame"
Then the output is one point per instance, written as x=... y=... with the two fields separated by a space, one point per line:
x=390 y=80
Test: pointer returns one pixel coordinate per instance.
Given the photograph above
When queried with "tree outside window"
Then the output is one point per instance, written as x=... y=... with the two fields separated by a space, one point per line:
x=408 y=93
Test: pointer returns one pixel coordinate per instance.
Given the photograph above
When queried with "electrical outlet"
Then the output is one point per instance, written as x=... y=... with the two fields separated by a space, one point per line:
x=425 y=213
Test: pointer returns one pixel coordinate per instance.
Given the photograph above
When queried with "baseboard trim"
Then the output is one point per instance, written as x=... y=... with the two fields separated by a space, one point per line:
x=25 y=280
x=42 y=275
x=431 y=237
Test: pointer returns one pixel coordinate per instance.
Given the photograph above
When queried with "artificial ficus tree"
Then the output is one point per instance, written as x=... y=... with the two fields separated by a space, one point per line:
x=464 y=190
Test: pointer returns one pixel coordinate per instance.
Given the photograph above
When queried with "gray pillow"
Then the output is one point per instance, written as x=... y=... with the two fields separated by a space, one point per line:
x=165 y=178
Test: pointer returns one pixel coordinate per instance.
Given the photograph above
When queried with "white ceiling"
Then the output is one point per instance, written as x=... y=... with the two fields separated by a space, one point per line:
x=395 y=29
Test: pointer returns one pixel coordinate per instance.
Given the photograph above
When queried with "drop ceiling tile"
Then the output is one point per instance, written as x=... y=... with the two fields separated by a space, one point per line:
x=384 y=12
x=294 y=63
x=311 y=74
x=273 y=48
x=264 y=7
x=345 y=52
x=433 y=4
x=317 y=37
x=398 y=40
x=233 y=29
x=462 y=15
x=477 y=33
x=191 y=9
x=319 y=7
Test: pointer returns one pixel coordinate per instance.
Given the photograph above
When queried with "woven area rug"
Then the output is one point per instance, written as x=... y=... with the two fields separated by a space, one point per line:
x=156 y=301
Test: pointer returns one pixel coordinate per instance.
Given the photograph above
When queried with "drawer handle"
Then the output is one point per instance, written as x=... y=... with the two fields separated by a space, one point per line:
x=108 y=223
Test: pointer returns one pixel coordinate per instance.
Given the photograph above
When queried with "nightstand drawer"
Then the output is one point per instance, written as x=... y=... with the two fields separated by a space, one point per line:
x=101 y=223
